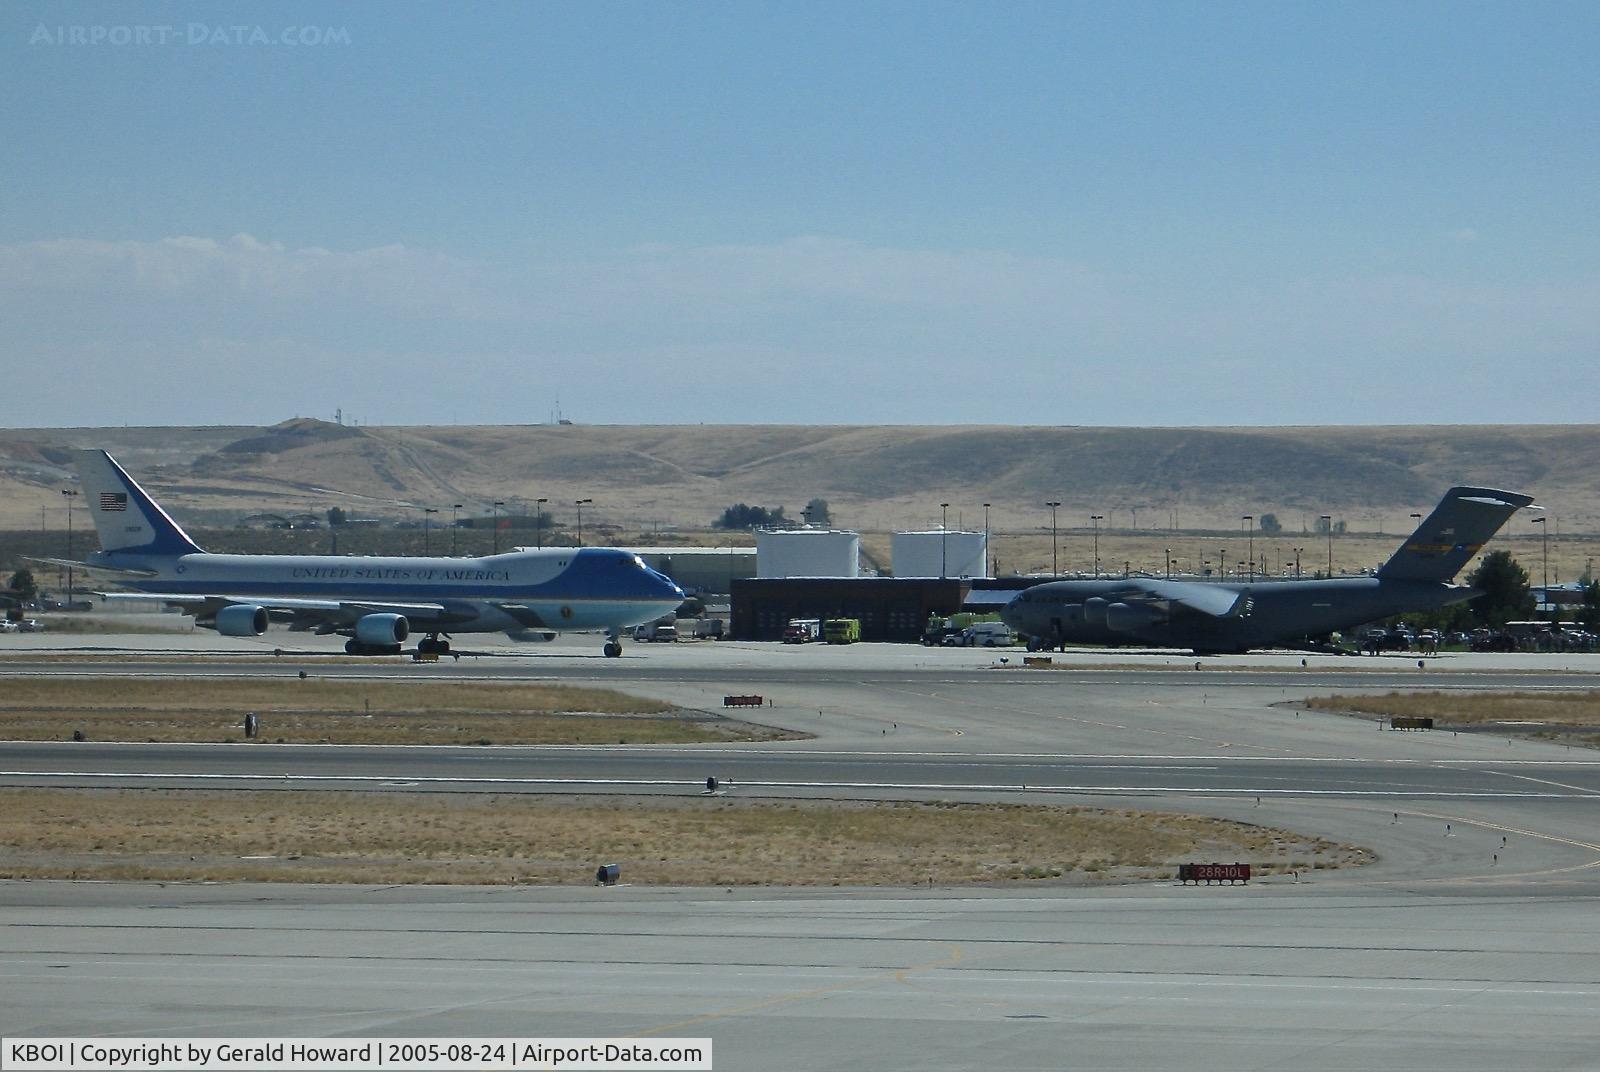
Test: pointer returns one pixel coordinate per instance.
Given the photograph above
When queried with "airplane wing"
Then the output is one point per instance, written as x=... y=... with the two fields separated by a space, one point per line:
x=1213 y=600
x=301 y=614
x=68 y=563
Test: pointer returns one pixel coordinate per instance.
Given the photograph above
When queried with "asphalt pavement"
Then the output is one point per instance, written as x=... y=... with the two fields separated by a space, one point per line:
x=1467 y=945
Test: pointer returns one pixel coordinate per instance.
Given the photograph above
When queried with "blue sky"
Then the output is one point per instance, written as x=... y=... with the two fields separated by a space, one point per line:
x=1056 y=213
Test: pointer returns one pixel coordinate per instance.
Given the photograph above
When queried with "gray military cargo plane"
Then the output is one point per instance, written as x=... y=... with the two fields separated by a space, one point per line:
x=1216 y=617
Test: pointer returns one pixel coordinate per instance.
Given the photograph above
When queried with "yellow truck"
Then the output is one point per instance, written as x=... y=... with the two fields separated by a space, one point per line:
x=841 y=630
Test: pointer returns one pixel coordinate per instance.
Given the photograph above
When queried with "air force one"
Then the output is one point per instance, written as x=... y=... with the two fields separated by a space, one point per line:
x=1213 y=617
x=376 y=602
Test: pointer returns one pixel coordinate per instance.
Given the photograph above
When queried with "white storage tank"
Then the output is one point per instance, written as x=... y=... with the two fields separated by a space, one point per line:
x=807 y=553
x=940 y=553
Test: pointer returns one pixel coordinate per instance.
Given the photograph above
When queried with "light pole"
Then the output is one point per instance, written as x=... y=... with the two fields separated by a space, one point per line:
x=495 y=524
x=538 y=521
x=579 y=504
x=427 y=540
x=1169 y=563
x=71 y=497
x=988 y=571
x=1297 y=551
x=1251 y=518
x=455 y=526
x=1222 y=562
x=1544 y=537
x=1327 y=520
x=1055 y=570
x=944 y=538
x=1095 y=519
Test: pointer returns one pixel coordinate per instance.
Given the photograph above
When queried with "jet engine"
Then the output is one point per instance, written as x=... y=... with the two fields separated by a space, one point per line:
x=382 y=630
x=1094 y=611
x=242 y=619
x=1126 y=617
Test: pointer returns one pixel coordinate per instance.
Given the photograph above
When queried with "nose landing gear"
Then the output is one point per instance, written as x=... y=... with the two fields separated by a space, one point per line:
x=613 y=648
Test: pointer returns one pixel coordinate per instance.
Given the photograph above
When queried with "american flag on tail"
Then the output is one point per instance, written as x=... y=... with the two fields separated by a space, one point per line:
x=113 y=500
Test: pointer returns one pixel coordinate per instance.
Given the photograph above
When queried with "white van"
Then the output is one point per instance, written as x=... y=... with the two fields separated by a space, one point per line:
x=988 y=635
x=656 y=632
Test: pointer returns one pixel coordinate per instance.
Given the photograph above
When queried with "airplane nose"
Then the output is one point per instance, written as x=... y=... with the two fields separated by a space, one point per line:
x=1011 y=613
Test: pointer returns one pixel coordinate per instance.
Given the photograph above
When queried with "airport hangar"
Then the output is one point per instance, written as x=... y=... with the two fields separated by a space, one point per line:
x=816 y=573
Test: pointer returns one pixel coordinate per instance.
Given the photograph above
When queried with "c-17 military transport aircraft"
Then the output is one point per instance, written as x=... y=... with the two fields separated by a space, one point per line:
x=376 y=602
x=1214 y=617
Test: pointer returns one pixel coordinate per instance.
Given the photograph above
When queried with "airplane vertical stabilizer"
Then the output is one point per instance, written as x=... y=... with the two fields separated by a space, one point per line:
x=127 y=519
x=1459 y=526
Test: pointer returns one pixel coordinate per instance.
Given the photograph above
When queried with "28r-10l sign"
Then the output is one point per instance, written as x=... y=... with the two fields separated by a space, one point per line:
x=1213 y=873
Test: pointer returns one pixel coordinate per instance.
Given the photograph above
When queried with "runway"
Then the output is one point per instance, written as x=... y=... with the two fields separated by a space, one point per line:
x=768 y=771
x=1467 y=945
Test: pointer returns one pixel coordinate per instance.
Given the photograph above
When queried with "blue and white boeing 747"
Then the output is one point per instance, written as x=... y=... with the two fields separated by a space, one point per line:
x=376 y=602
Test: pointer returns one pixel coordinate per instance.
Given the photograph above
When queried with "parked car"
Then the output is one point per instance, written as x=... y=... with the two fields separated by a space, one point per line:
x=8 y=626
x=30 y=625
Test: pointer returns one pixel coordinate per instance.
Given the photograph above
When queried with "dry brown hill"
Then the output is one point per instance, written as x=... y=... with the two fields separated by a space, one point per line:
x=874 y=478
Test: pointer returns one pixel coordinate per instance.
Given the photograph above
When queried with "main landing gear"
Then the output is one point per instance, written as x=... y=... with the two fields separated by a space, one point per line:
x=433 y=644
x=613 y=648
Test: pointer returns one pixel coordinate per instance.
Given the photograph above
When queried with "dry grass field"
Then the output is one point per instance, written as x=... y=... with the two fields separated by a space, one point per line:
x=301 y=711
x=690 y=841
x=1552 y=715
x=652 y=478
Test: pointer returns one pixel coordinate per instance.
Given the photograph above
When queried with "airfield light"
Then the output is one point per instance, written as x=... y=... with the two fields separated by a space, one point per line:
x=987 y=572
x=1544 y=536
x=944 y=537
x=1252 y=521
x=579 y=504
x=1055 y=570
x=71 y=496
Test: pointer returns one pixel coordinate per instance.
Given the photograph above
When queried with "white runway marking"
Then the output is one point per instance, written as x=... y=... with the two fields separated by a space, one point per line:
x=1109 y=759
x=995 y=787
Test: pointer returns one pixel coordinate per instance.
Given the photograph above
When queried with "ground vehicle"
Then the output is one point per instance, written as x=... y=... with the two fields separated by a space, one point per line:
x=709 y=628
x=987 y=635
x=802 y=630
x=7 y=626
x=842 y=630
x=656 y=631
x=30 y=625
x=941 y=632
